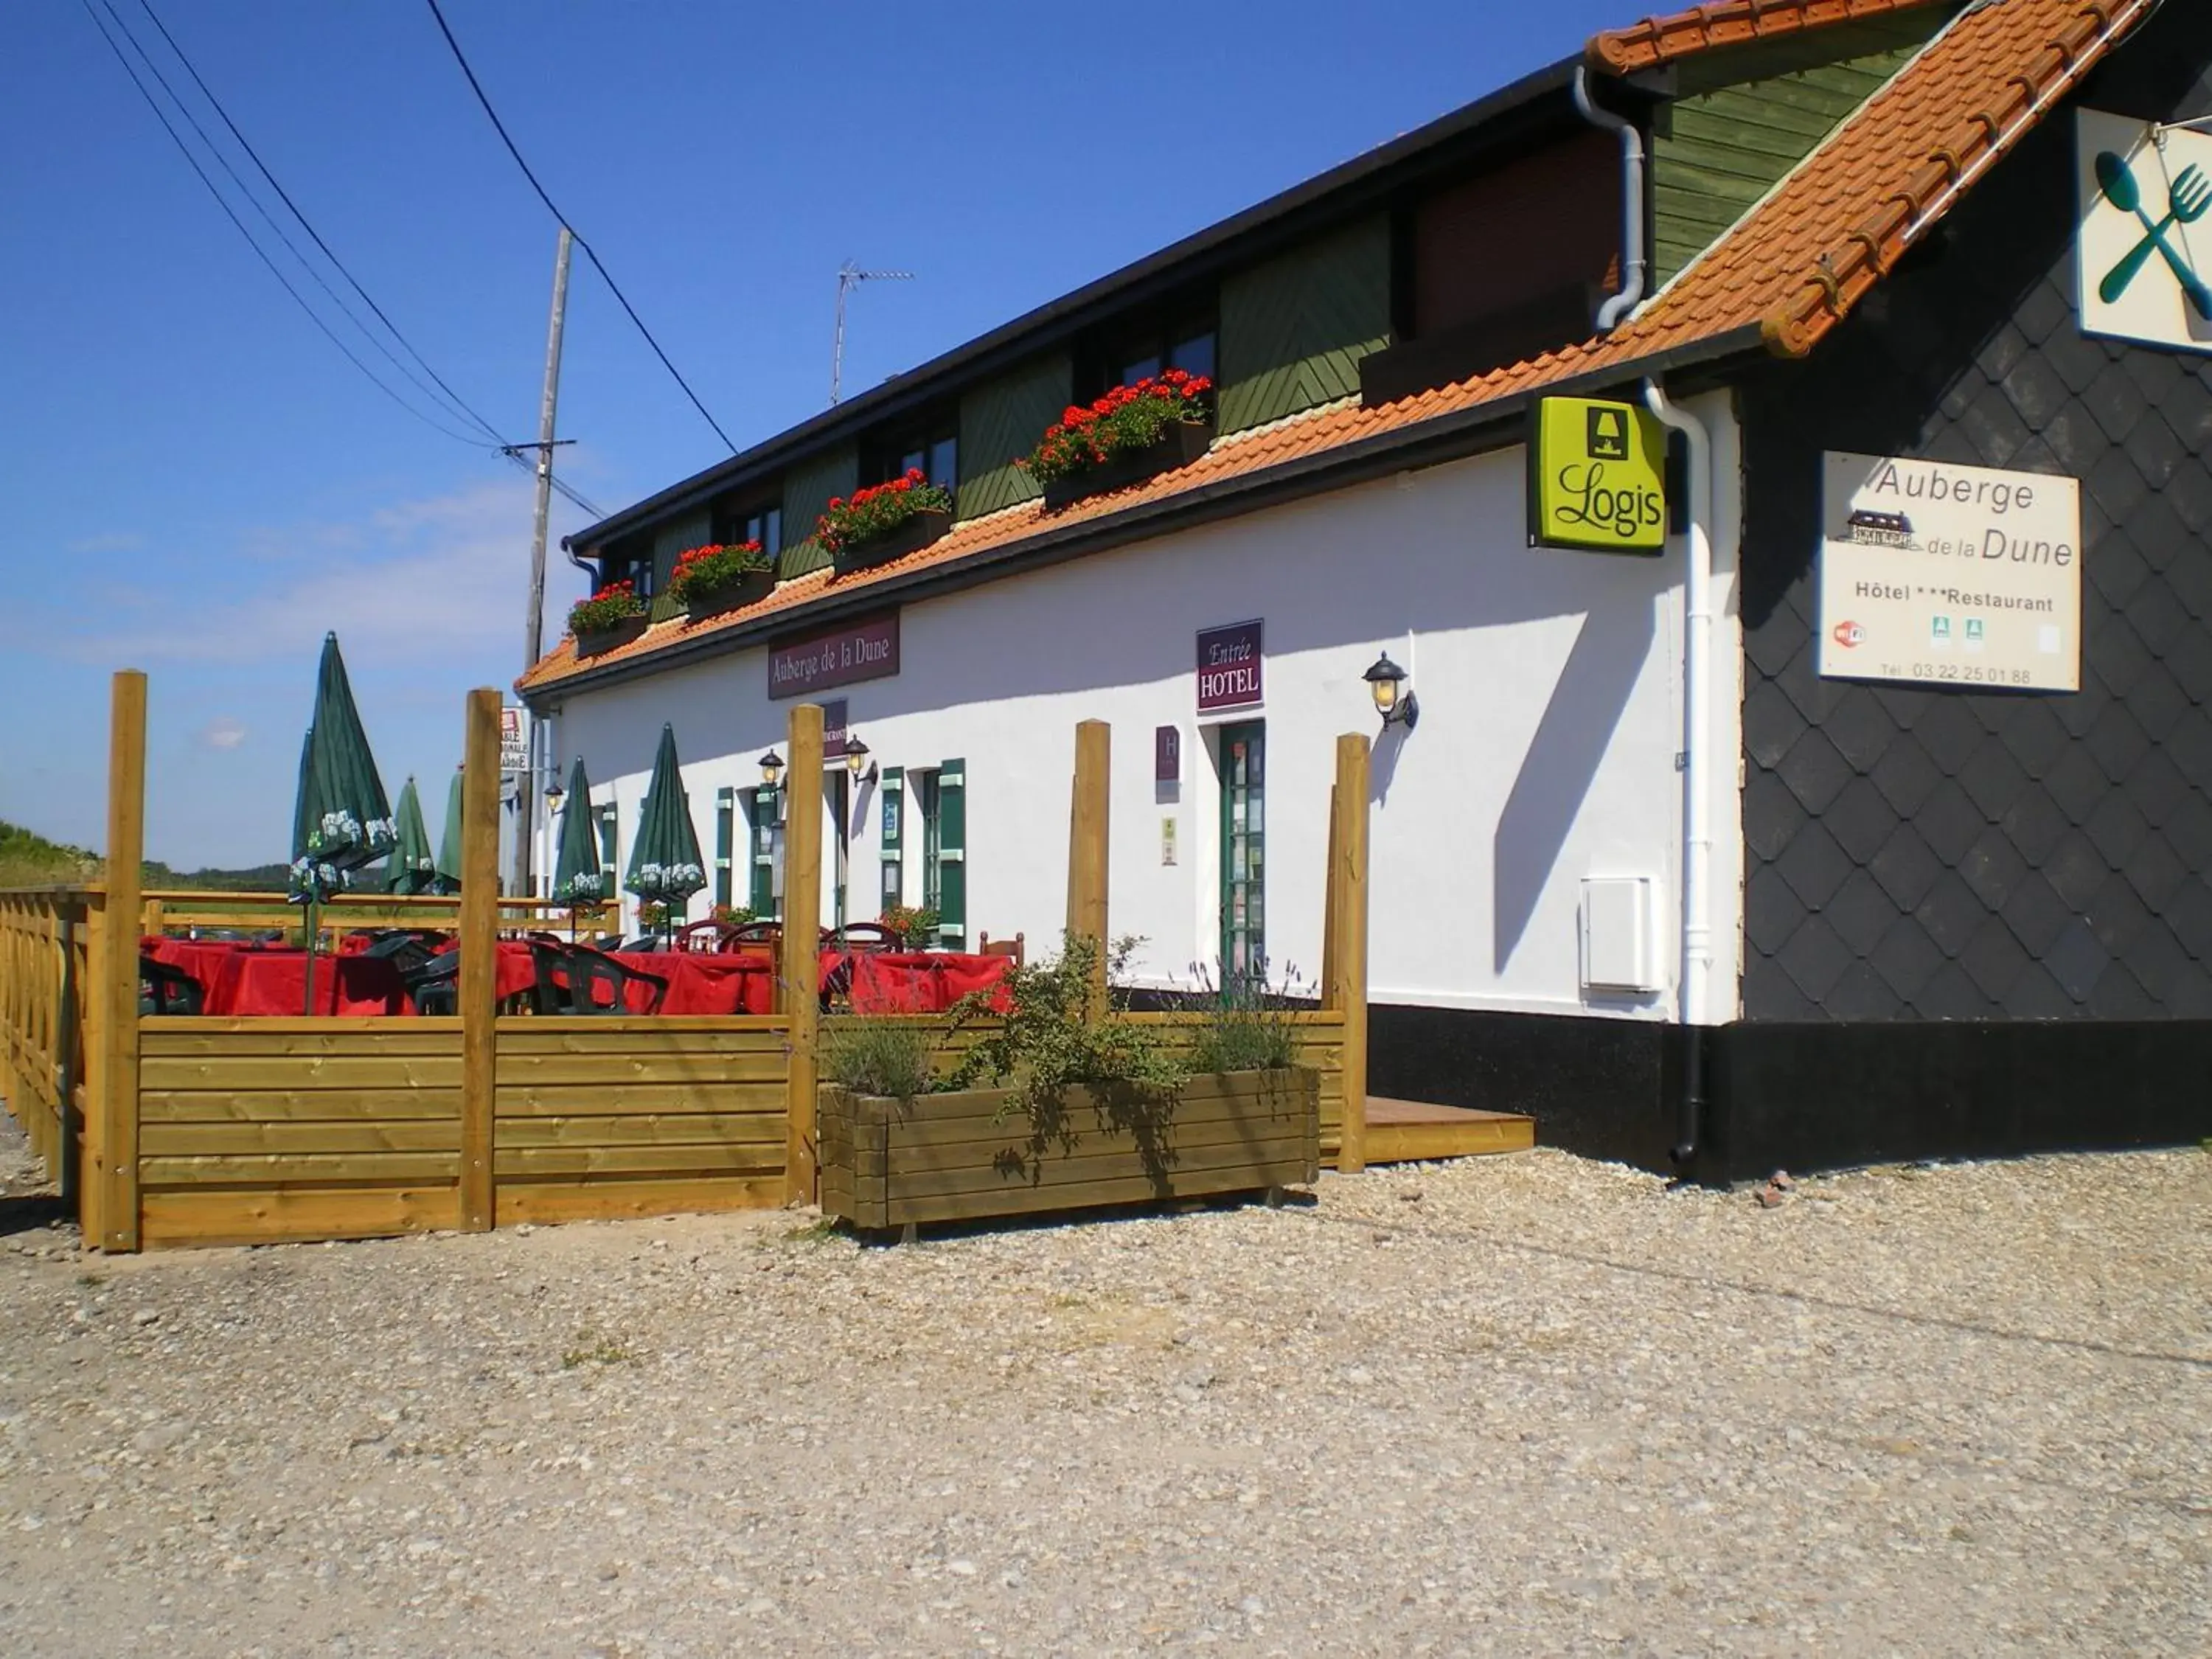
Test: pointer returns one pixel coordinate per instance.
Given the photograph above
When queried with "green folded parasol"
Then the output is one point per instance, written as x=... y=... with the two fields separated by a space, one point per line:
x=577 y=878
x=411 y=869
x=446 y=874
x=664 y=865
x=341 y=819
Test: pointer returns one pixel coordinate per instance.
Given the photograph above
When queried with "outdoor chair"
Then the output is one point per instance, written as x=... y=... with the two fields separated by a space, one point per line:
x=868 y=936
x=1012 y=948
x=165 y=990
x=705 y=937
x=406 y=948
x=435 y=987
x=590 y=970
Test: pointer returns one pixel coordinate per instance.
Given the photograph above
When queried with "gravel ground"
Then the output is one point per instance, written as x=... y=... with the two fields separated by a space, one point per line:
x=1521 y=1405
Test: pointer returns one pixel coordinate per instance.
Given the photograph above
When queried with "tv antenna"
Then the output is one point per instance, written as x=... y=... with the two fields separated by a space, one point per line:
x=850 y=276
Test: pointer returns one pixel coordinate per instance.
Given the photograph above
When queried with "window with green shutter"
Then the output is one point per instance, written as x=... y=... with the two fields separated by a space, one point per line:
x=893 y=811
x=951 y=861
x=760 y=804
x=725 y=835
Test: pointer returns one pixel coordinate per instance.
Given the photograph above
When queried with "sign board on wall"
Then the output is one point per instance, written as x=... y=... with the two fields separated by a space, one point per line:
x=834 y=720
x=844 y=656
x=2143 y=259
x=1950 y=575
x=514 y=739
x=1229 y=666
x=1167 y=754
x=1597 y=477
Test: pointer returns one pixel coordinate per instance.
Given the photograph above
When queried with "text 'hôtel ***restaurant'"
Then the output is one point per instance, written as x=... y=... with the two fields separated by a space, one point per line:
x=1771 y=453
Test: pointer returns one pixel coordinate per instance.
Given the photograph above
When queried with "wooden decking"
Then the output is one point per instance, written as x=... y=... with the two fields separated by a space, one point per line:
x=1411 y=1131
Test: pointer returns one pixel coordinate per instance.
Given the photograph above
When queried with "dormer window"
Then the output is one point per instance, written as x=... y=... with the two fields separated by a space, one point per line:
x=932 y=450
x=762 y=522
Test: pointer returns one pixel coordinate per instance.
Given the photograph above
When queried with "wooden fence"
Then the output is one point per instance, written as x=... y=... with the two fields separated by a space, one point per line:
x=171 y=1131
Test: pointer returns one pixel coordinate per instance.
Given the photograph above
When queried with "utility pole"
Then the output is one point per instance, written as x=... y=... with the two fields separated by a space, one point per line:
x=525 y=805
x=850 y=276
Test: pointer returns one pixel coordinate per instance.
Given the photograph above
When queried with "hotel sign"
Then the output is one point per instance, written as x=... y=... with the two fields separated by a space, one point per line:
x=2143 y=259
x=1597 y=478
x=845 y=655
x=1950 y=575
x=1229 y=668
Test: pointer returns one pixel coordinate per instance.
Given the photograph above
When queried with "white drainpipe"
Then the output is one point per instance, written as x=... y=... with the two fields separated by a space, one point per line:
x=1694 y=996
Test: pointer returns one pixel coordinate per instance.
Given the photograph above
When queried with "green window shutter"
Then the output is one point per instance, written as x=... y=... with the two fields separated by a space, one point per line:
x=725 y=835
x=760 y=809
x=610 y=848
x=893 y=790
x=1002 y=421
x=1293 y=329
x=807 y=489
x=693 y=530
x=953 y=853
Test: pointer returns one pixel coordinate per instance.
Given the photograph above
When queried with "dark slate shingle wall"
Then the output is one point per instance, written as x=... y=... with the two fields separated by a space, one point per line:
x=1940 y=855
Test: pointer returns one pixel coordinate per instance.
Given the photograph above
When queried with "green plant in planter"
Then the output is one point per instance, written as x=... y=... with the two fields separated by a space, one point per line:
x=1047 y=1043
x=915 y=926
x=710 y=569
x=612 y=605
x=879 y=510
x=1248 y=1028
x=894 y=1058
x=1129 y=417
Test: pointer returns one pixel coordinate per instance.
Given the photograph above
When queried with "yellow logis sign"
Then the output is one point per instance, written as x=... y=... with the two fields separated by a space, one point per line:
x=1597 y=477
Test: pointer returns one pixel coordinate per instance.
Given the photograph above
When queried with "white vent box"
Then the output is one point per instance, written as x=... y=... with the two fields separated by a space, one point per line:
x=1619 y=935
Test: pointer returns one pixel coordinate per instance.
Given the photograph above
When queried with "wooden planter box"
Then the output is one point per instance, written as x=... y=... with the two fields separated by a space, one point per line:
x=591 y=641
x=916 y=533
x=1179 y=446
x=748 y=589
x=951 y=1158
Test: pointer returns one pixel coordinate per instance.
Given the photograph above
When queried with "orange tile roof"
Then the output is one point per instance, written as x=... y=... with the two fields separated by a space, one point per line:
x=1657 y=40
x=1789 y=272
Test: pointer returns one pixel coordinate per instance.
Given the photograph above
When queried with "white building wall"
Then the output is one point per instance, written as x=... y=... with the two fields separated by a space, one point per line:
x=1551 y=721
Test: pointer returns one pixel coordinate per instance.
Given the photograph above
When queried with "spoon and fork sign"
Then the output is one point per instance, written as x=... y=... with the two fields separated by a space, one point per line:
x=2187 y=200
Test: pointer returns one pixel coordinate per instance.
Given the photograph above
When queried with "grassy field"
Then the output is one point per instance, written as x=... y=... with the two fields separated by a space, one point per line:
x=30 y=860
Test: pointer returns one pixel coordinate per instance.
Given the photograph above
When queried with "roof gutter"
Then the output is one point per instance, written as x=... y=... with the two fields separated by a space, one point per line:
x=1495 y=425
x=1635 y=262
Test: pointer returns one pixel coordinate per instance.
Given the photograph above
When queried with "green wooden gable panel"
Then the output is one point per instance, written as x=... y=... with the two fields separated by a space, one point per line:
x=1293 y=329
x=1745 y=116
x=1003 y=420
x=807 y=489
x=675 y=537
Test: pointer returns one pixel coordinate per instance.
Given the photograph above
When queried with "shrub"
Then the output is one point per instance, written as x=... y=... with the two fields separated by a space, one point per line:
x=877 y=510
x=1126 y=418
x=617 y=602
x=1248 y=1028
x=703 y=570
x=889 y=1057
x=1047 y=1042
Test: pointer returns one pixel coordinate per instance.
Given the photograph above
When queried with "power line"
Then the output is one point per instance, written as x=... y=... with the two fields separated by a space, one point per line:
x=267 y=218
x=261 y=254
x=283 y=196
x=590 y=254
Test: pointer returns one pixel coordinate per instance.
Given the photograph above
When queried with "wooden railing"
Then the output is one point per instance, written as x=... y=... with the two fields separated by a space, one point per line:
x=45 y=973
x=200 y=1130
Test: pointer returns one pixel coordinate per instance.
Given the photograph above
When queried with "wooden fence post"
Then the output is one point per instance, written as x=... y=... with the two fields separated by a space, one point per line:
x=1089 y=834
x=479 y=972
x=1348 y=881
x=118 y=991
x=1332 y=993
x=802 y=946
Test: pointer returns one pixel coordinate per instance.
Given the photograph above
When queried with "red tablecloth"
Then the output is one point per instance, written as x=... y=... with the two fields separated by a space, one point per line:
x=922 y=982
x=201 y=958
x=263 y=982
x=700 y=984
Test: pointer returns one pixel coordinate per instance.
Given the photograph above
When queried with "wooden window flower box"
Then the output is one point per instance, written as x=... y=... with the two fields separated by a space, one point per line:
x=883 y=522
x=714 y=579
x=1132 y=434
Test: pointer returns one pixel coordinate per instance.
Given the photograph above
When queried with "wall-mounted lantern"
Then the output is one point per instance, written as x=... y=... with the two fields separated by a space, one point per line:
x=1393 y=694
x=771 y=766
x=555 y=794
x=856 y=756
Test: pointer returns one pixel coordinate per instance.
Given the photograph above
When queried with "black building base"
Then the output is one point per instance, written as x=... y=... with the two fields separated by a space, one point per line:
x=1807 y=1097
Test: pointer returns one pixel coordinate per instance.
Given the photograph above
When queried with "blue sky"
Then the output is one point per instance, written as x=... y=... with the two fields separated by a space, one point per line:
x=200 y=485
